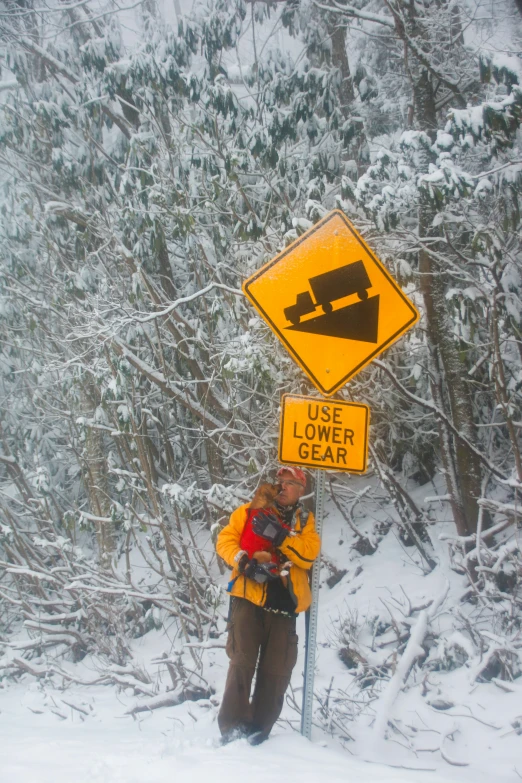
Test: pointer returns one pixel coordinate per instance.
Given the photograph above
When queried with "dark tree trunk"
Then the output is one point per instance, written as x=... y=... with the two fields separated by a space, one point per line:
x=448 y=369
x=359 y=147
x=96 y=478
x=340 y=60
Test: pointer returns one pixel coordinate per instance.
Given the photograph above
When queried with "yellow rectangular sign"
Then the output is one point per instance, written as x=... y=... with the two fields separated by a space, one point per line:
x=327 y=434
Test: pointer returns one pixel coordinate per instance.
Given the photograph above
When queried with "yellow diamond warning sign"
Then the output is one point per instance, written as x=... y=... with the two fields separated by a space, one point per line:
x=327 y=434
x=331 y=302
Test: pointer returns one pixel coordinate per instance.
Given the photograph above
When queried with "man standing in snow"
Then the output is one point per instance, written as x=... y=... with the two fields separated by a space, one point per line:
x=264 y=607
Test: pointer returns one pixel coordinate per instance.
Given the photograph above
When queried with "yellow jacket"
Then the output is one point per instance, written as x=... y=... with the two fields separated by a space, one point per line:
x=301 y=549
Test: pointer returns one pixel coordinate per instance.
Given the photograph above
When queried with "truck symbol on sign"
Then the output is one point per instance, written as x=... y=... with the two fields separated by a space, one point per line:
x=327 y=288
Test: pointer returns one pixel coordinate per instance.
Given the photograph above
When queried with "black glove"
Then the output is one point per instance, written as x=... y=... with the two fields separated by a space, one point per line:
x=267 y=526
x=264 y=572
x=243 y=562
x=259 y=572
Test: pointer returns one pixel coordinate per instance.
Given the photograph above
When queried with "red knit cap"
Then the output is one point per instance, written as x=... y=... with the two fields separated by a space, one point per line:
x=297 y=473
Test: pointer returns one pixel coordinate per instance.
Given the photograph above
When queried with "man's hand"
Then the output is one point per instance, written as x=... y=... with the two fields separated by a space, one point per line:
x=267 y=526
x=259 y=572
x=247 y=566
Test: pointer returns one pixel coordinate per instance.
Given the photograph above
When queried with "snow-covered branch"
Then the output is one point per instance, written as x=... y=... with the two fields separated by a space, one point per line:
x=185 y=299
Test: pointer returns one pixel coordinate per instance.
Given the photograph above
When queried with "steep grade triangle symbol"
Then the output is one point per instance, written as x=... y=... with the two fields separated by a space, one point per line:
x=359 y=321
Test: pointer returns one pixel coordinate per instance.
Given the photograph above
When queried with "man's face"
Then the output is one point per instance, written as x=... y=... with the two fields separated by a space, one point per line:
x=291 y=490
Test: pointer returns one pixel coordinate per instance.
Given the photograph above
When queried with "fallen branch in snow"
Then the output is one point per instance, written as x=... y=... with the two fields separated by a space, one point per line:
x=511 y=510
x=127 y=681
x=443 y=753
x=489 y=533
x=58 y=713
x=163 y=700
x=75 y=707
x=126 y=676
x=463 y=715
x=508 y=687
x=38 y=671
x=412 y=651
x=402 y=766
x=500 y=650
x=171 y=699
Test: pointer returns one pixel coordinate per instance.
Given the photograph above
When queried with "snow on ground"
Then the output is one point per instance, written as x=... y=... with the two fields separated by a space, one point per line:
x=44 y=738
x=109 y=748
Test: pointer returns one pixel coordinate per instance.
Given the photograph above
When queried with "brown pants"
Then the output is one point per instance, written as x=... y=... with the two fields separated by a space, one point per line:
x=255 y=632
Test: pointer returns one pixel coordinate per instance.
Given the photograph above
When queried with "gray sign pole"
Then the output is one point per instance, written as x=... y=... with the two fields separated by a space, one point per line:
x=309 y=672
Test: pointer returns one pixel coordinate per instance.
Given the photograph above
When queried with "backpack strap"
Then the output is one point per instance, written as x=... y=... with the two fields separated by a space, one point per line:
x=303 y=516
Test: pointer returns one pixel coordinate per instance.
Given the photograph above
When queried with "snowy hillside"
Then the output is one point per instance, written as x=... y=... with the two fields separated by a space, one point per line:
x=446 y=721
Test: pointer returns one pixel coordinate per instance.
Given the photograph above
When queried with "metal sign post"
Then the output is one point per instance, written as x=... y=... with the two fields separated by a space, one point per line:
x=309 y=672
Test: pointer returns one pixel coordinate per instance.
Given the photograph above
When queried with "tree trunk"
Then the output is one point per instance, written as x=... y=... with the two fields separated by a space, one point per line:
x=97 y=484
x=461 y=465
x=359 y=146
x=340 y=60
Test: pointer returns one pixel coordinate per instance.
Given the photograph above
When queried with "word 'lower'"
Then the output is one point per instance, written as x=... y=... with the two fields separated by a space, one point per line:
x=326 y=442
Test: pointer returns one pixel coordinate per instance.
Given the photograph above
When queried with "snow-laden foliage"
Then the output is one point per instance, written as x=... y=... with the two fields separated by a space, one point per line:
x=140 y=395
